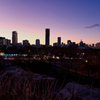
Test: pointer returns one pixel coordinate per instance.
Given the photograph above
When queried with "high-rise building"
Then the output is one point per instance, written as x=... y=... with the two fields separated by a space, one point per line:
x=55 y=44
x=14 y=37
x=47 y=37
x=59 y=41
x=25 y=42
x=98 y=45
x=37 y=42
x=8 y=42
x=81 y=44
x=68 y=42
x=92 y=45
x=2 y=41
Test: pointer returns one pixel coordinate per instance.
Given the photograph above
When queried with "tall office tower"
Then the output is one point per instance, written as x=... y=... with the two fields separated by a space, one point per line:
x=37 y=42
x=14 y=37
x=47 y=37
x=59 y=41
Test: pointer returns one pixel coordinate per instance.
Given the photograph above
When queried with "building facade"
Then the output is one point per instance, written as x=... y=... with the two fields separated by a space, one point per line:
x=4 y=41
x=81 y=44
x=37 y=42
x=14 y=37
x=25 y=42
x=8 y=42
x=59 y=41
x=47 y=37
x=98 y=45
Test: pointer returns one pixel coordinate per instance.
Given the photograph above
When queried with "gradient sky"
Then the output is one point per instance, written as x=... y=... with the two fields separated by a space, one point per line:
x=68 y=19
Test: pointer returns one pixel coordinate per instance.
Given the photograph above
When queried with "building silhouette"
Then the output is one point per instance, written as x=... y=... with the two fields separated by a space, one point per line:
x=47 y=37
x=68 y=42
x=98 y=45
x=81 y=44
x=8 y=42
x=37 y=42
x=14 y=37
x=4 y=41
x=25 y=42
x=55 y=44
x=59 y=41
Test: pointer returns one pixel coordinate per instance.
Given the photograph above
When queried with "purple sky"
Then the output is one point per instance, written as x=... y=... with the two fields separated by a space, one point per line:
x=68 y=19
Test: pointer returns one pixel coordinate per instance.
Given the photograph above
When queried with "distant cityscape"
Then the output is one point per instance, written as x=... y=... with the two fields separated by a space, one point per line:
x=81 y=44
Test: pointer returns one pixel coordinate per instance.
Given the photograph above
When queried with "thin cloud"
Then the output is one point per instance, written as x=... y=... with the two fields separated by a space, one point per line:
x=95 y=25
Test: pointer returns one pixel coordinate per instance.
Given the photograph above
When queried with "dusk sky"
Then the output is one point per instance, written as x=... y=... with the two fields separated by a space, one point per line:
x=69 y=19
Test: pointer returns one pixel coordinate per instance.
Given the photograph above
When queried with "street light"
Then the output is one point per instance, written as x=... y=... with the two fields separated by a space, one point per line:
x=86 y=61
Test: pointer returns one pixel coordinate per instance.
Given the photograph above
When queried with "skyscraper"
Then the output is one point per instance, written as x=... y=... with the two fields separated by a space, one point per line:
x=59 y=41
x=47 y=37
x=14 y=37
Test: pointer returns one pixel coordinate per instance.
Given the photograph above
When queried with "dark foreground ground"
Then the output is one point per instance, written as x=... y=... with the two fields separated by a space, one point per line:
x=37 y=79
x=63 y=75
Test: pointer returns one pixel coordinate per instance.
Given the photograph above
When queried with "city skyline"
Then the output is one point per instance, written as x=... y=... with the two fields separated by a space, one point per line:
x=69 y=19
x=14 y=40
